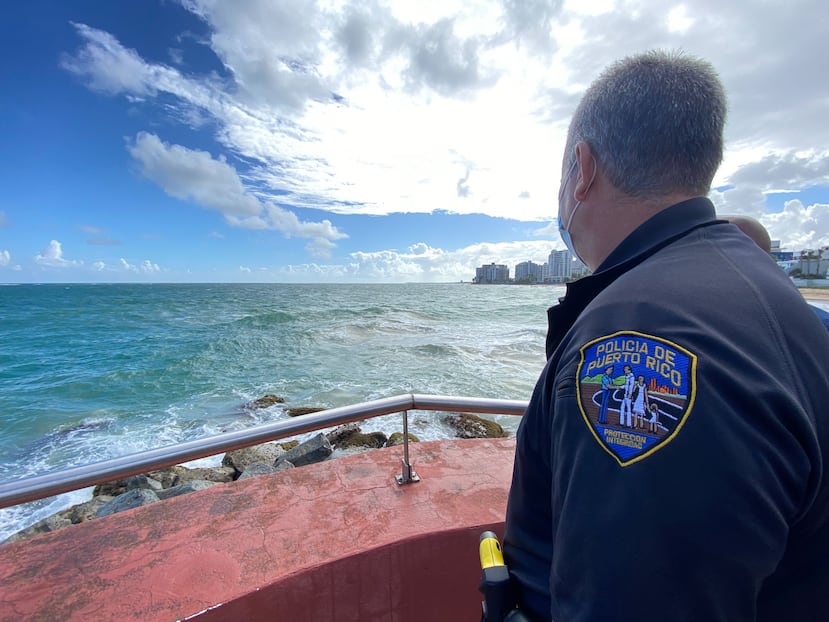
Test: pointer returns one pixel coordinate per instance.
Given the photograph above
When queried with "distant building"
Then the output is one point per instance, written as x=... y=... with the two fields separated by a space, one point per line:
x=559 y=267
x=813 y=262
x=528 y=272
x=579 y=269
x=493 y=273
x=784 y=259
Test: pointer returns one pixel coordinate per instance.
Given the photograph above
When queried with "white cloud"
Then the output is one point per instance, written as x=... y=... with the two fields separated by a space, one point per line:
x=376 y=149
x=176 y=55
x=110 y=68
x=801 y=227
x=6 y=261
x=678 y=20
x=52 y=256
x=145 y=267
x=376 y=107
x=751 y=184
x=196 y=176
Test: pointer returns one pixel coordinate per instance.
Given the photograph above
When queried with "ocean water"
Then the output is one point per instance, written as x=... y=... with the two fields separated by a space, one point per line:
x=92 y=372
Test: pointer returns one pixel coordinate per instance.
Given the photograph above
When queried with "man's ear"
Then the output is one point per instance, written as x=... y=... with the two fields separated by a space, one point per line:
x=587 y=169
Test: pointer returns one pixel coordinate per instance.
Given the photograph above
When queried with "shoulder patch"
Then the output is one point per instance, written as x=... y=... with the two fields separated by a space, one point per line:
x=635 y=392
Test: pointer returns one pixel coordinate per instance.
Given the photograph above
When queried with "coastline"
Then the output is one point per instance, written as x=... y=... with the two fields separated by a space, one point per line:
x=815 y=293
x=172 y=363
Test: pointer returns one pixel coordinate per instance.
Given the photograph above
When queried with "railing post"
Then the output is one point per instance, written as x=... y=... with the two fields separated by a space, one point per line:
x=408 y=476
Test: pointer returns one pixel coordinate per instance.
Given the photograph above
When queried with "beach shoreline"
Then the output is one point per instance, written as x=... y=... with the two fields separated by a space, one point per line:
x=815 y=293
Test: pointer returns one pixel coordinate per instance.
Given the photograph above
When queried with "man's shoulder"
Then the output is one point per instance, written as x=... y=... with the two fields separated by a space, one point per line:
x=699 y=267
x=823 y=315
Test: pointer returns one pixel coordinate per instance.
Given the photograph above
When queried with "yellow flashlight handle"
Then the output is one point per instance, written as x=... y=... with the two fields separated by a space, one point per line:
x=490 y=550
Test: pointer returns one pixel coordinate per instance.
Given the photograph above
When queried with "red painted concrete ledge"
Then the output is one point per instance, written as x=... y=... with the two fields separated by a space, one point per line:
x=336 y=541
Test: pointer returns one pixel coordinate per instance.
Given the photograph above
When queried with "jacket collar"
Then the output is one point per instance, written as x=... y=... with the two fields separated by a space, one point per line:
x=652 y=235
x=668 y=223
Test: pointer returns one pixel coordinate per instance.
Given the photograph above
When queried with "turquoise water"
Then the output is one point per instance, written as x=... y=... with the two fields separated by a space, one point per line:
x=91 y=372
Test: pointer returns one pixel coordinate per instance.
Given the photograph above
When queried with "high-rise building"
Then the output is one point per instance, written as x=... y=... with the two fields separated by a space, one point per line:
x=578 y=269
x=559 y=266
x=493 y=273
x=528 y=272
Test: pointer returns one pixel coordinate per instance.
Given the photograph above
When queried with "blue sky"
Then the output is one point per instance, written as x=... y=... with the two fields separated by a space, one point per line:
x=266 y=140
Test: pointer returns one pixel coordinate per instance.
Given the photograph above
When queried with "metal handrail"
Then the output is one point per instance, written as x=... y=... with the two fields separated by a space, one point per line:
x=48 y=484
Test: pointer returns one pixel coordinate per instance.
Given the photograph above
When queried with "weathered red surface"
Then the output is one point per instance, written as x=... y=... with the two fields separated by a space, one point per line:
x=333 y=541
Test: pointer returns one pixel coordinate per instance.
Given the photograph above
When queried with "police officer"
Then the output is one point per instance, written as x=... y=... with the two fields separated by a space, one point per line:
x=721 y=510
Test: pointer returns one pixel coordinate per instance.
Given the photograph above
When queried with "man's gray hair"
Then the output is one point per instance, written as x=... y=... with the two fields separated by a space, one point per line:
x=655 y=124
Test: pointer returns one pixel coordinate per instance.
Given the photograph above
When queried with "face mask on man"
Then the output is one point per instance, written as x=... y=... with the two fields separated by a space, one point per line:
x=564 y=230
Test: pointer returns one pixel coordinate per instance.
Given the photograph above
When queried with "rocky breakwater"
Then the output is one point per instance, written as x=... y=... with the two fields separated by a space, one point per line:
x=138 y=490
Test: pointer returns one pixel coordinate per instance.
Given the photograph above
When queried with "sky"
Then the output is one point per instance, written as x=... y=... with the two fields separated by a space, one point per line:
x=331 y=141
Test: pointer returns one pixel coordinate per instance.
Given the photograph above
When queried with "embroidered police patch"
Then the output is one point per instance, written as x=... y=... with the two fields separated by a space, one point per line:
x=635 y=392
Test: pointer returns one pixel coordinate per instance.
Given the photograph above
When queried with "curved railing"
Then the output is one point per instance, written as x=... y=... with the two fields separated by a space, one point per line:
x=48 y=484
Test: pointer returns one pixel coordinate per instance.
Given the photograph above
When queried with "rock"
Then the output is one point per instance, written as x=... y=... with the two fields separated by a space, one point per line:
x=372 y=440
x=143 y=481
x=175 y=475
x=340 y=433
x=219 y=475
x=165 y=478
x=472 y=426
x=257 y=468
x=239 y=459
x=182 y=489
x=283 y=465
x=313 y=450
x=50 y=523
x=350 y=435
x=265 y=401
x=83 y=512
x=111 y=489
x=127 y=501
x=298 y=411
x=397 y=439
x=168 y=477
x=73 y=515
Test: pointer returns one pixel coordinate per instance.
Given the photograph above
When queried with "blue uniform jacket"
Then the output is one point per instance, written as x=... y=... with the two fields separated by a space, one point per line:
x=714 y=504
x=823 y=316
